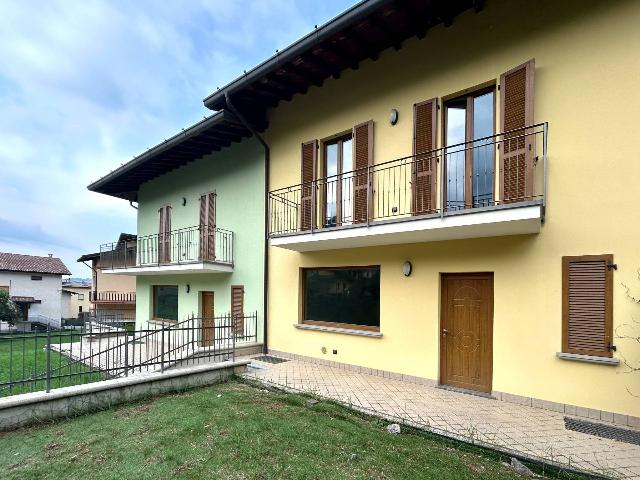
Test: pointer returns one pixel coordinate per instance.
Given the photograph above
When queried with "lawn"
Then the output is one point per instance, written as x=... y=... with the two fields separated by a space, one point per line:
x=23 y=356
x=237 y=431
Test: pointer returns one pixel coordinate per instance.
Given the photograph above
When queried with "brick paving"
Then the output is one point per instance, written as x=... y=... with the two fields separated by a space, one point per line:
x=529 y=432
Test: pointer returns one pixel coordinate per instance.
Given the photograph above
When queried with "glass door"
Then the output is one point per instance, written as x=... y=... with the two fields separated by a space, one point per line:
x=338 y=184
x=470 y=155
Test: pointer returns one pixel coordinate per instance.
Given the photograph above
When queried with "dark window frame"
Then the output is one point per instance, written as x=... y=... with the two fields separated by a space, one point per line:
x=468 y=97
x=36 y=278
x=338 y=140
x=348 y=326
x=153 y=304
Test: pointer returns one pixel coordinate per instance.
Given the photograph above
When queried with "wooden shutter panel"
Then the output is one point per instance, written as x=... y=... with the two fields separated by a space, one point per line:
x=587 y=305
x=423 y=170
x=309 y=152
x=237 y=308
x=164 y=235
x=516 y=149
x=208 y=226
x=362 y=158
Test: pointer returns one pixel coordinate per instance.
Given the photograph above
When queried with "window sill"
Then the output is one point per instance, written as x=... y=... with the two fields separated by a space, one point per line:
x=588 y=358
x=346 y=331
x=157 y=321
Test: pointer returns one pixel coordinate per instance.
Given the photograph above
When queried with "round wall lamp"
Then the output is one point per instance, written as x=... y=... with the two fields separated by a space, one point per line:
x=393 y=116
x=407 y=268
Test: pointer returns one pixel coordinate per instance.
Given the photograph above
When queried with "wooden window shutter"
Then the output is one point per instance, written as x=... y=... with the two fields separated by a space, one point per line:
x=164 y=235
x=423 y=171
x=237 y=308
x=362 y=159
x=587 y=305
x=308 y=159
x=516 y=149
x=208 y=226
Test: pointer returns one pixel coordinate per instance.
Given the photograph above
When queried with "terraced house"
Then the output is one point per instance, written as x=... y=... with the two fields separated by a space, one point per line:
x=199 y=247
x=452 y=196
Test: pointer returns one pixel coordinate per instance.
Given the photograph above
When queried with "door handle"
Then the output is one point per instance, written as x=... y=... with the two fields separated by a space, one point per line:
x=444 y=332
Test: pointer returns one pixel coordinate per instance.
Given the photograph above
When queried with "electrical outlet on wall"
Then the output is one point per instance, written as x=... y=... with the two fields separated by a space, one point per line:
x=335 y=352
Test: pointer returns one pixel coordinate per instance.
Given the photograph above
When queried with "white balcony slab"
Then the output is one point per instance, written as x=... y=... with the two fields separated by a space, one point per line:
x=170 y=269
x=492 y=222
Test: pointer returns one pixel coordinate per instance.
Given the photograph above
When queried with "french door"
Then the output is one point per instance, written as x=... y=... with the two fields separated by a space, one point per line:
x=470 y=156
x=338 y=184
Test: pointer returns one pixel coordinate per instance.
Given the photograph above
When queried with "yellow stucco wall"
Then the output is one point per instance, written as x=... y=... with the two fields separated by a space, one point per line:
x=586 y=83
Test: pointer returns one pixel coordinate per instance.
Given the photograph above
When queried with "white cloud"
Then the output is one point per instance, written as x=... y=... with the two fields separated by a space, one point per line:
x=86 y=85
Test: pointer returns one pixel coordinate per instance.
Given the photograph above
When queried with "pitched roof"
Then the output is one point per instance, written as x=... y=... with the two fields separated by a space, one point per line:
x=15 y=262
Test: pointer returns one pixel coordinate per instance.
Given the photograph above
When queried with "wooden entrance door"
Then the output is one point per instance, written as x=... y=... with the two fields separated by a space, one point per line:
x=466 y=331
x=208 y=324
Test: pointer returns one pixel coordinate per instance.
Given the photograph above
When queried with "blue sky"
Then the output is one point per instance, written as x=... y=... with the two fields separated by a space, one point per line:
x=85 y=86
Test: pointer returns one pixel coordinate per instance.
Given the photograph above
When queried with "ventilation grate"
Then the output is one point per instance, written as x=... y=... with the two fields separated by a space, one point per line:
x=601 y=430
x=270 y=359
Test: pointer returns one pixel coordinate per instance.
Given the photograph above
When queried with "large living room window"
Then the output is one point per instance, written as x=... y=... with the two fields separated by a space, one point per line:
x=342 y=297
x=165 y=302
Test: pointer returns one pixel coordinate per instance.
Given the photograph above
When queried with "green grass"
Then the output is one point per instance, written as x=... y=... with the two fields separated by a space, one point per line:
x=23 y=356
x=236 y=431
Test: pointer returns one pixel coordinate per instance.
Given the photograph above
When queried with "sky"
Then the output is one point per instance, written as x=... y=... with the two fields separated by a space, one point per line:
x=87 y=85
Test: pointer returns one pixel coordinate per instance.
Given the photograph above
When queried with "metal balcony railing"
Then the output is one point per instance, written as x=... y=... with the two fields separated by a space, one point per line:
x=182 y=246
x=507 y=169
x=112 y=297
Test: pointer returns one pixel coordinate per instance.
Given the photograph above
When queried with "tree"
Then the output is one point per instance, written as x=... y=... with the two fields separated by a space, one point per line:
x=9 y=311
x=631 y=332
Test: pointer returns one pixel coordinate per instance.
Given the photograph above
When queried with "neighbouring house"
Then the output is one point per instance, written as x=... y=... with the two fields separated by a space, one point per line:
x=438 y=203
x=35 y=284
x=75 y=301
x=111 y=299
x=200 y=242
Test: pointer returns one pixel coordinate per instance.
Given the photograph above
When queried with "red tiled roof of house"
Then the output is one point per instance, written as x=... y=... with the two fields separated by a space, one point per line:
x=16 y=262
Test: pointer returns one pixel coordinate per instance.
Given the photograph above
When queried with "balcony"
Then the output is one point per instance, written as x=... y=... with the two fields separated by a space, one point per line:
x=199 y=249
x=493 y=186
x=126 y=298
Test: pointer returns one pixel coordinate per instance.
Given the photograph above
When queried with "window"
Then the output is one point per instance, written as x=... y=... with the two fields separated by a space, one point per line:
x=81 y=297
x=587 y=304
x=36 y=277
x=470 y=168
x=343 y=297
x=165 y=302
x=338 y=188
x=79 y=308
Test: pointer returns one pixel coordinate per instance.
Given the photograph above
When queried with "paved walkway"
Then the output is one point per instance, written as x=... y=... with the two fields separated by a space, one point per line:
x=514 y=429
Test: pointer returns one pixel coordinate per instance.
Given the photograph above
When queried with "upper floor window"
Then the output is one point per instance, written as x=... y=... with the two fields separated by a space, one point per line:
x=470 y=166
x=81 y=296
x=36 y=277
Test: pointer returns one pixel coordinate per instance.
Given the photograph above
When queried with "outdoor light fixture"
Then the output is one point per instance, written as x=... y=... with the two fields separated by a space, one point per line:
x=188 y=288
x=393 y=116
x=406 y=268
x=184 y=201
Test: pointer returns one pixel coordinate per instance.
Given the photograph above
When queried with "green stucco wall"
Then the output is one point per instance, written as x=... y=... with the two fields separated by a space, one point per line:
x=237 y=175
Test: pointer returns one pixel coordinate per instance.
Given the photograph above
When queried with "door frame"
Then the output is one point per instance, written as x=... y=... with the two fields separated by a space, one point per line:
x=441 y=357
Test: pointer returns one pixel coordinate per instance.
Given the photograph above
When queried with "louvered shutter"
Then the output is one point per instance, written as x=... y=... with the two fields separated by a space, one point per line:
x=516 y=149
x=309 y=152
x=237 y=308
x=208 y=226
x=362 y=159
x=423 y=171
x=587 y=305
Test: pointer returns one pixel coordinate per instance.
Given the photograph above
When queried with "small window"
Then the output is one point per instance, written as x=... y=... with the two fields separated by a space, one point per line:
x=36 y=277
x=165 y=302
x=587 y=305
x=342 y=297
x=79 y=308
x=81 y=296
